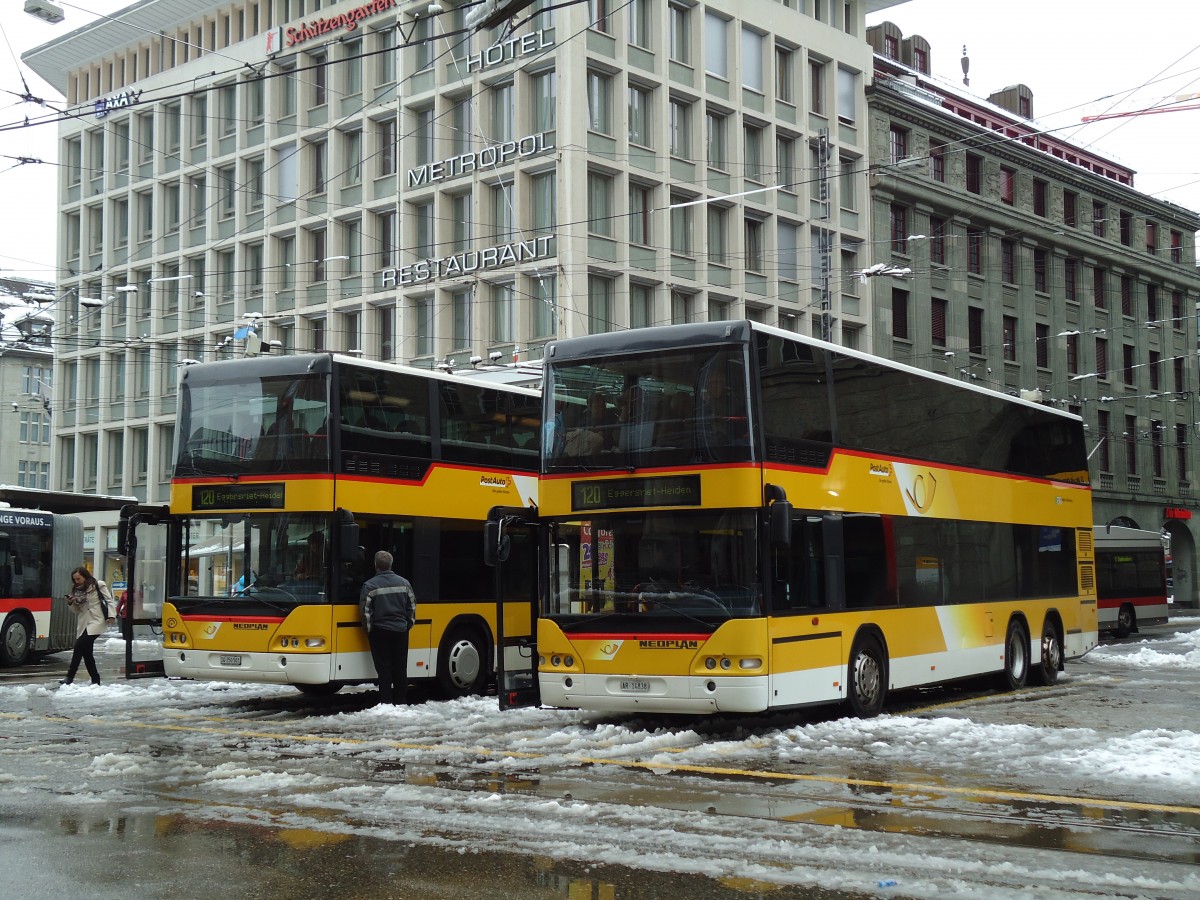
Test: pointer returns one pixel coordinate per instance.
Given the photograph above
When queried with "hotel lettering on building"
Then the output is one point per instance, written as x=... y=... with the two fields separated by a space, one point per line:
x=363 y=179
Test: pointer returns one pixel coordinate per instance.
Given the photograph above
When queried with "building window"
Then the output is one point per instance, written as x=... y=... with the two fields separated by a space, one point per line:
x=639 y=116
x=752 y=60
x=600 y=204
x=600 y=293
x=682 y=307
x=1070 y=207
x=974 y=251
x=1041 y=337
x=1176 y=246
x=847 y=95
x=1071 y=279
x=755 y=258
x=788 y=250
x=545 y=102
x=752 y=147
x=1008 y=184
x=545 y=310
x=1099 y=292
x=461 y=314
x=716 y=49
x=1040 y=263
x=679 y=30
x=681 y=226
x=1072 y=354
x=900 y=314
x=897 y=143
x=937 y=240
x=937 y=321
x=1041 y=191
x=1181 y=456
x=1009 y=325
x=641 y=305
x=1131 y=445
x=640 y=23
x=937 y=162
x=718 y=234
x=1127 y=295
x=1128 y=364
x=1126 y=220
x=1152 y=368
x=975 y=330
x=599 y=88
x=1103 y=445
x=1102 y=358
x=502 y=313
x=1008 y=262
x=715 y=126
x=640 y=205
x=598 y=15
x=352 y=157
x=785 y=74
x=974 y=173
x=899 y=218
x=679 y=128
x=816 y=86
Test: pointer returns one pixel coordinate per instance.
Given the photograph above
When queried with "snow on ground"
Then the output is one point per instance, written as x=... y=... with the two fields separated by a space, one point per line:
x=266 y=780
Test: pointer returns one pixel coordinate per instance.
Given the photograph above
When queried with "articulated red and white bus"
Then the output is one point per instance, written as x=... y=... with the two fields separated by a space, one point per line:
x=38 y=550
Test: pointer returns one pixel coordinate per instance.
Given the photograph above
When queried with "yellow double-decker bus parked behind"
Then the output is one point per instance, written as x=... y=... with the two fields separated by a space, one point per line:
x=291 y=472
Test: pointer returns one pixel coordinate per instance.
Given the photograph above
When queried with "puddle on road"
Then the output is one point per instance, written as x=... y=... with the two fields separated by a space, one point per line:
x=149 y=854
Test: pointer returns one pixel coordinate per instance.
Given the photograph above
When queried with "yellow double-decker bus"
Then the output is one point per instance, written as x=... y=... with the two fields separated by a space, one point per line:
x=290 y=473
x=736 y=518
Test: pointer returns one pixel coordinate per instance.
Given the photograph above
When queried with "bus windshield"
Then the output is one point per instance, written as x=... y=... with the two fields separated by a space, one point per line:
x=641 y=409
x=661 y=570
x=274 y=560
x=265 y=425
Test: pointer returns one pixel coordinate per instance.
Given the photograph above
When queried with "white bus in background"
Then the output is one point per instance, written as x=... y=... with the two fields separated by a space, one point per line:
x=1131 y=578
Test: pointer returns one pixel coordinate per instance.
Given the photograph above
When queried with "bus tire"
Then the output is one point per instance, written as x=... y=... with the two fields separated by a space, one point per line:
x=14 y=640
x=328 y=689
x=1016 y=657
x=1050 y=657
x=866 y=678
x=462 y=668
x=1126 y=622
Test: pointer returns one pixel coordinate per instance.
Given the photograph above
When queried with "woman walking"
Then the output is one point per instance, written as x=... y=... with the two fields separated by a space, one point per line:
x=85 y=600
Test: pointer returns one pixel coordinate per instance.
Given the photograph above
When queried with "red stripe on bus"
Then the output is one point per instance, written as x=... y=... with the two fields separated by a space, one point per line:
x=33 y=604
x=637 y=636
x=1152 y=600
x=196 y=617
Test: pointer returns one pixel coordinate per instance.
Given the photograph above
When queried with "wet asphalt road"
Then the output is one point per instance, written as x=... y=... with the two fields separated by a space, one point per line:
x=150 y=833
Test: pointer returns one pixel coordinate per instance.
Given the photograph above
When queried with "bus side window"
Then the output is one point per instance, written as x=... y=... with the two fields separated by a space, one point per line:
x=869 y=562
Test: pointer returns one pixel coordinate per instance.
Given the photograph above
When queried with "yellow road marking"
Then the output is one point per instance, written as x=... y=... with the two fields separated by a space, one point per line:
x=695 y=769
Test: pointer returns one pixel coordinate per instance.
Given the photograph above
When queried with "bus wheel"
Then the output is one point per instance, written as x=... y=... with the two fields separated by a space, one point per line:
x=461 y=668
x=14 y=641
x=866 y=683
x=328 y=689
x=1046 y=670
x=1126 y=622
x=1016 y=657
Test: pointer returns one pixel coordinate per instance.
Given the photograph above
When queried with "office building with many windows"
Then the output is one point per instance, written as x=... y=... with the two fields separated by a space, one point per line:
x=374 y=177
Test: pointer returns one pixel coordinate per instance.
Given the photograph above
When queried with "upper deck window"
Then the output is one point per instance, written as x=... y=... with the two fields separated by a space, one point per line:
x=665 y=408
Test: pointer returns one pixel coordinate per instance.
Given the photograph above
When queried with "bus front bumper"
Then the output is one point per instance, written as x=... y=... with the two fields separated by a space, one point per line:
x=263 y=668
x=654 y=693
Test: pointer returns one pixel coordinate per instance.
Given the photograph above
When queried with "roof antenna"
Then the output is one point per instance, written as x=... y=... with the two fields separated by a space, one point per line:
x=966 y=66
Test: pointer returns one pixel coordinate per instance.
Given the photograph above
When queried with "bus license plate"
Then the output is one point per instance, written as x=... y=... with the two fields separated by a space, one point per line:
x=231 y=660
x=635 y=686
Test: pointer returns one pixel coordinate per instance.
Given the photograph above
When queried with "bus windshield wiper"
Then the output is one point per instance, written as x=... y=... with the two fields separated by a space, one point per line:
x=661 y=599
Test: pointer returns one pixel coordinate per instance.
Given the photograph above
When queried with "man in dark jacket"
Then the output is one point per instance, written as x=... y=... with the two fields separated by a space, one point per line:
x=389 y=611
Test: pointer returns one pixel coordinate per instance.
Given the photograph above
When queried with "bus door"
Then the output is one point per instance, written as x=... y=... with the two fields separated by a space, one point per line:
x=145 y=536
x=510 y=547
